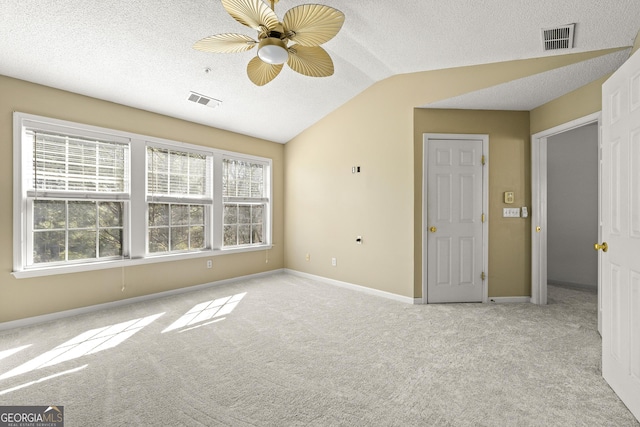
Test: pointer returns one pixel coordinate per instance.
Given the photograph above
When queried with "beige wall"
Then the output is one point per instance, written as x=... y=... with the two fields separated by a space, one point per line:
x=509 y=159
x=20 y=298
x=574 y=105
x=326 y=206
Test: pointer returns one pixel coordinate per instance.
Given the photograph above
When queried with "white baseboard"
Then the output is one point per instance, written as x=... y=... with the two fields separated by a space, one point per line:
x=82 y=310
x=573 y=285
x=500 y=300
x=364 y=289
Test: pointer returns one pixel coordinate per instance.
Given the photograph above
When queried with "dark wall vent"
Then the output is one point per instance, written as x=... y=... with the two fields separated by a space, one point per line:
x=558 y=38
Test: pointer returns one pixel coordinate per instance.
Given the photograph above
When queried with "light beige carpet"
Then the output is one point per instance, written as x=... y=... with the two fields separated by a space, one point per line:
x=287 y=351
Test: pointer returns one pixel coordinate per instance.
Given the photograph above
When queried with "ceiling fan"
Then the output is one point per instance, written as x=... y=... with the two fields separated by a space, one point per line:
x=296 y=40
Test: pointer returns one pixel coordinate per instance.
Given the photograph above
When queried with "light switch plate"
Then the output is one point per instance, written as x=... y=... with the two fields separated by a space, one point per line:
x=511 y=212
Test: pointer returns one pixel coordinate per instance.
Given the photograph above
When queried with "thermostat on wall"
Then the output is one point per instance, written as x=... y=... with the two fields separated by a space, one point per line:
x=509 y=197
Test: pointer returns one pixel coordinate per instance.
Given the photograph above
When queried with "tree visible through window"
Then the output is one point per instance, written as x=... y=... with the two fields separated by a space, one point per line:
x=180 y=178
x=243 y=190
x=67 y=230
x=175 y=227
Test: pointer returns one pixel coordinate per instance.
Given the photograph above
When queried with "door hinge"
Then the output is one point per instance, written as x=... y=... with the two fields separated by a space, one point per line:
x=482 y=218
x=483 y=160
x=482 y=276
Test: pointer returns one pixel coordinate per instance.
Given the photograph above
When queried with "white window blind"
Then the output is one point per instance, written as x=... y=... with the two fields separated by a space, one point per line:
x=177 y=174
x=63 y=163
x=242 y=179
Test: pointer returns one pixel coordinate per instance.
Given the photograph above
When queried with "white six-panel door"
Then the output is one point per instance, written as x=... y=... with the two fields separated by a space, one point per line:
x=454 y=212
x=620 y=206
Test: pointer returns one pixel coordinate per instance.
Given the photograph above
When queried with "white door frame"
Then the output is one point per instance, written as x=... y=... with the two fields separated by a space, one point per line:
x=539 y=204
x=485 y=206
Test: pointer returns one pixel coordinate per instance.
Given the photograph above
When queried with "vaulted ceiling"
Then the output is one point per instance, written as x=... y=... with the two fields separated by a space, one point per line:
x=139 y=53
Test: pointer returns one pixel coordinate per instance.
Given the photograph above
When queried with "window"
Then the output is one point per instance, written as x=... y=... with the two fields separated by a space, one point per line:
x=176 y=227
x=179 y=200
x=68 y=230
x=88 y=197
x=243 y=190
x=74 y=198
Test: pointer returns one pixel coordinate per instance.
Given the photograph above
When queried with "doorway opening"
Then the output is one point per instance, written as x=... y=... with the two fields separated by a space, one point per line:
x=572 y=208
x=542 y=225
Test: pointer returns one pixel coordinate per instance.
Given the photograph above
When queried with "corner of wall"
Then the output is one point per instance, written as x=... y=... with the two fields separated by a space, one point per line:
x=636 y=44
x=574 y=105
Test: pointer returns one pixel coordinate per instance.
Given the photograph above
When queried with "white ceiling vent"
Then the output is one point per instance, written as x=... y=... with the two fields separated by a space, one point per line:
x=207 y=101
x=558 y=38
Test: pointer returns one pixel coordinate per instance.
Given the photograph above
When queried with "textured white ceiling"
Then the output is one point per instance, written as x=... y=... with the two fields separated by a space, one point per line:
x=531 y=92
x=139 y=53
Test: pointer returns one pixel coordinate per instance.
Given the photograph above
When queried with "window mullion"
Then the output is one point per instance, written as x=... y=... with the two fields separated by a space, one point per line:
x=97 y=226
x=178 y=200
x=246 y=200
x=138 y=212
x=28 y=252
x=66 y=230
x=216 y=215
x=268 y=218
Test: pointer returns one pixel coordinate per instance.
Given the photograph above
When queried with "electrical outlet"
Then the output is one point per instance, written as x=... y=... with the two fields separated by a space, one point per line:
x=334 y=262
x=209 y=263
x=307 y=257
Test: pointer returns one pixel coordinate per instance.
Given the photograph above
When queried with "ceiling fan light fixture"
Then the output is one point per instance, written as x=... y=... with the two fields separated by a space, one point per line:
x=295 y=40
x=273 y=51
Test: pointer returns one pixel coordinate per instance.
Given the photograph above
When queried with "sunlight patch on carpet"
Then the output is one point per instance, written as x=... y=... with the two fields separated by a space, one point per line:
x=59 y=374
x=89 y=342
x=6 y=353
x=205 y=311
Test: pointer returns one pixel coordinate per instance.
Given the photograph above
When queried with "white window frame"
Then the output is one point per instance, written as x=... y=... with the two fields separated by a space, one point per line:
x=136 y=216
x=206 y=200
x=264 y=200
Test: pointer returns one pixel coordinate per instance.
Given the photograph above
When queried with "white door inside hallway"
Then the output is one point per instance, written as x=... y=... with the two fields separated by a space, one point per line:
x=454 y=212
x=620 y=264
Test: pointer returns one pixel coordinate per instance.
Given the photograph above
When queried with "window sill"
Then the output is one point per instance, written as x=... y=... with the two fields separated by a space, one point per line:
x=103 y=265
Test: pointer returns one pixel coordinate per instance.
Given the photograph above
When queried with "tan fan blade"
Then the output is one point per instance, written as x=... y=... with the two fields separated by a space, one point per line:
x=252 y=13
x=225 y=43
x=311 y=61
x=261 y=73
x=312 y=24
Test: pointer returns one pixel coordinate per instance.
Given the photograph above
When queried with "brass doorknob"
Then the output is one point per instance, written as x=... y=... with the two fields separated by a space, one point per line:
x=433 y=229
x=538 y=229
x=603 y=246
